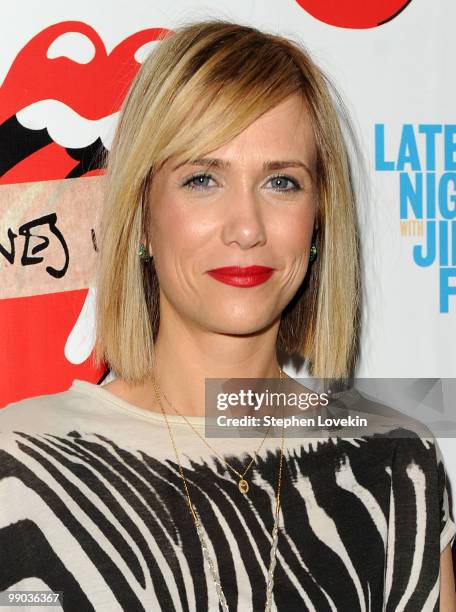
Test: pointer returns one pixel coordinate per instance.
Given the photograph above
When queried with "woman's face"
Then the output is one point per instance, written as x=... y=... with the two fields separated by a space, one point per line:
x=255 y=205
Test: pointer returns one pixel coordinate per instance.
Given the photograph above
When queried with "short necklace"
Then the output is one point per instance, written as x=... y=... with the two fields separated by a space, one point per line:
x=243 y=485
x=275 y=529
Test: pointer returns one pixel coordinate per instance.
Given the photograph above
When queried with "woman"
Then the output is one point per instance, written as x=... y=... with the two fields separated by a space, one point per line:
x=229 y=173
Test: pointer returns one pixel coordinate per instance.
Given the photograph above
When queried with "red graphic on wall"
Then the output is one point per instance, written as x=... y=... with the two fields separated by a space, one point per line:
x=35 y=329
x=33 y=334
x=92 y=90
x=357 y=14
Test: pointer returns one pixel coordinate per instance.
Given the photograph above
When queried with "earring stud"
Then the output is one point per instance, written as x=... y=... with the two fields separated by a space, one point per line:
x=143 y=254
x=313 y=252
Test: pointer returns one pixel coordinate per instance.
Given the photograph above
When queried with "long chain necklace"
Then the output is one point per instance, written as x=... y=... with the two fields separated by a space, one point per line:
x=243 y=485
x=192 y=507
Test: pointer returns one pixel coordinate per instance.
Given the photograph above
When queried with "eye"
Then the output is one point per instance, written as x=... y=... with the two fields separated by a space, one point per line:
x=280 y=182
x=198 y=181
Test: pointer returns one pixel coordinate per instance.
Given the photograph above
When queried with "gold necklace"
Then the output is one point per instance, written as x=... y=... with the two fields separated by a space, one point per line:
x=196 y=520
x=243 y=485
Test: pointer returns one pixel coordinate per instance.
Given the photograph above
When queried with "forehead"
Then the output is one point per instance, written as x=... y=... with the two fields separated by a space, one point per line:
x=286 y=129
x=283 y=132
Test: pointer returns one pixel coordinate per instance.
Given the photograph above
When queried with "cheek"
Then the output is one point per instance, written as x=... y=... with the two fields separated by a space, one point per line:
x=295 y=230
x=168 y=224
x=179 y=231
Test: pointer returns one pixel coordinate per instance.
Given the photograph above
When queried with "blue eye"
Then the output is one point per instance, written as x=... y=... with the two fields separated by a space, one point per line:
x=281 y=180
x=198 y=181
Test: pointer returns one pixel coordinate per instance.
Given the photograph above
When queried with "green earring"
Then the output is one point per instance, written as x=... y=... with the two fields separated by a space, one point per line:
x=313 y=252
x=143 y=254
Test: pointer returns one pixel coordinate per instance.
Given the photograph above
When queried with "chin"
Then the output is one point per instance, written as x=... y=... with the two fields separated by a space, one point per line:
x=239 y=325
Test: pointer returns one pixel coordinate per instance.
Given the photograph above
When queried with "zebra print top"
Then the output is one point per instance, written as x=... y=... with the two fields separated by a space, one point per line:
x=92 y=505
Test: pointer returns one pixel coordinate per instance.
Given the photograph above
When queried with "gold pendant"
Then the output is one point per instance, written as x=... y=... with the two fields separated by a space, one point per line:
x=243 y=486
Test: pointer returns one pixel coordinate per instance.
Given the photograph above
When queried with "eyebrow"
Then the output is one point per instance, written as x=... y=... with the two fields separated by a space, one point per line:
x=267 y=165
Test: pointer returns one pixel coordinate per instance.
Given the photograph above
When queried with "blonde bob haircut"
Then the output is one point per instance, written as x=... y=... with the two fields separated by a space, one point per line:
x=202 y=85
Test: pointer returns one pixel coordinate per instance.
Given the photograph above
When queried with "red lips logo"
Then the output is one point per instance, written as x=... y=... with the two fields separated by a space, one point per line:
x=354 y=13
x=58 y=105
x=90 y=90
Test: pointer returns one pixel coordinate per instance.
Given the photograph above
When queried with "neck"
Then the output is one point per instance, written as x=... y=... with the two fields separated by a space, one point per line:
x=185 y=356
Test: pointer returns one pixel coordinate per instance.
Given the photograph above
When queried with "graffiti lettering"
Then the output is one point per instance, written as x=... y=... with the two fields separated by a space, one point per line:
x=29 y=257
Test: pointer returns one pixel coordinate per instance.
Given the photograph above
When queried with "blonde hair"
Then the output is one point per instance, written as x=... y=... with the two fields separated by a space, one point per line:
x=201 y=86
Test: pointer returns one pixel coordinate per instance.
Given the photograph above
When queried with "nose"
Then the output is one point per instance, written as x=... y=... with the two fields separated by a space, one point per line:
x=244 y=223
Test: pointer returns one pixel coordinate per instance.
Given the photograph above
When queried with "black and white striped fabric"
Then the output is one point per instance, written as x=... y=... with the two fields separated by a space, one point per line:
x=92 y=504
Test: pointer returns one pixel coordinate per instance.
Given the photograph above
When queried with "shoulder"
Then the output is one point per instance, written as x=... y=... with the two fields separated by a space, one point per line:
x=404 y=446
x=43 y=412
x=25 y=411
x=379 y=421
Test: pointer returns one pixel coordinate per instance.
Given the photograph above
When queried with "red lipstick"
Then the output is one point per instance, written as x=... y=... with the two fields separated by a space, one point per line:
x=238 y=276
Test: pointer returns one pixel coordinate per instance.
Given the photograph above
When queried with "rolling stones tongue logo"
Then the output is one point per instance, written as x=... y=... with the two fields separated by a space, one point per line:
x=49 y=103
x=58 y=107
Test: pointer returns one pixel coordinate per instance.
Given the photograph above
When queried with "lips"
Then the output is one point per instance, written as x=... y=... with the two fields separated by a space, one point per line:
x=246 y=276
